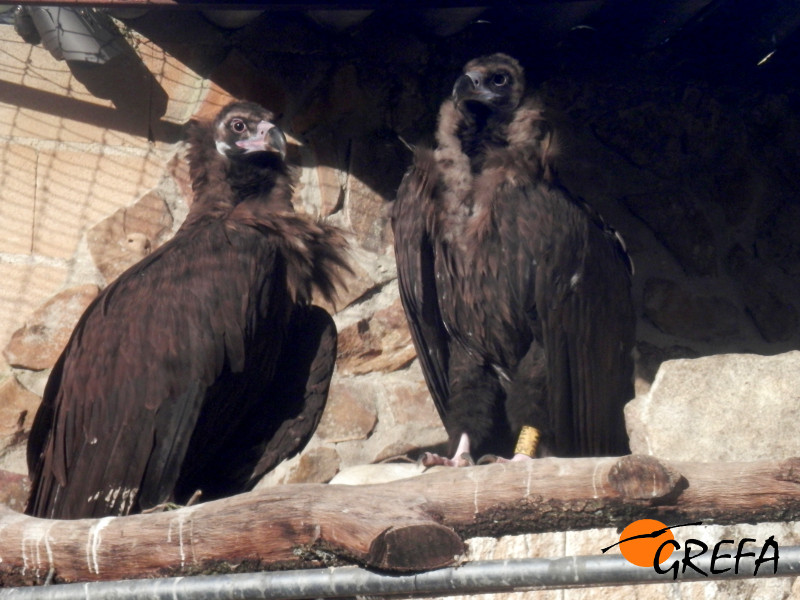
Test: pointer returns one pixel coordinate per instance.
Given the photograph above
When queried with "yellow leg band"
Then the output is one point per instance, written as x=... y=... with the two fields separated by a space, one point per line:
x=527 y=441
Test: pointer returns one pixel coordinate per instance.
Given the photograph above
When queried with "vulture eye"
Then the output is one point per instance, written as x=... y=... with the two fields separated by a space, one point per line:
x=500 y=79
x=238 y=125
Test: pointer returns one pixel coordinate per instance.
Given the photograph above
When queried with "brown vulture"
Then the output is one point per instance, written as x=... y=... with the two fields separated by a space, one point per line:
x=517 y=295
x=203 y=365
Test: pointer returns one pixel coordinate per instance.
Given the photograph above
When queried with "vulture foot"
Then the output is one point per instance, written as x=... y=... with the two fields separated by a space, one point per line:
x=429 y=459
x=461 y=457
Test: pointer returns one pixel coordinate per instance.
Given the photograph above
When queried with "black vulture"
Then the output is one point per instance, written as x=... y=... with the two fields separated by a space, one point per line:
x=205 y=364
x=518 y=295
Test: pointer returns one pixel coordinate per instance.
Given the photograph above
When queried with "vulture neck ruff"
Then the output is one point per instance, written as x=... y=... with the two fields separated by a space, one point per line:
x=221 y=183
x=255 y=190
x=465 y=154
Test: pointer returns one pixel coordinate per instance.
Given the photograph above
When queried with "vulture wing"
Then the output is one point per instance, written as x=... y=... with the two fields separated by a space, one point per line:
x=306 y=366
x=147 y=356
x=416 y=275
x=582 y=298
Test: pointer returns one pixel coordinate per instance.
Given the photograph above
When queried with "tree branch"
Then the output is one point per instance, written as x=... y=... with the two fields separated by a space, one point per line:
x=406 y=525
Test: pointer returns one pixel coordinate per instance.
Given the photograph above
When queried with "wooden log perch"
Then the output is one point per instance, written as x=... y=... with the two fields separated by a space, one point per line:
x=406 y=525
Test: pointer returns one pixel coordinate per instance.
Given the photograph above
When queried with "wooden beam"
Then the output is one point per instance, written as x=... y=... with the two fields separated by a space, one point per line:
x=407 y=525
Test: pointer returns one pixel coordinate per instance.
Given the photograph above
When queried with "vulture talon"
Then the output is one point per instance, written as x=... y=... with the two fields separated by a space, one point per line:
x=465 y=460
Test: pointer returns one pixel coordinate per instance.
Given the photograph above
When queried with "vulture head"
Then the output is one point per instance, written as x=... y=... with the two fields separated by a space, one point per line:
x=245 y=128
x=238 y=156
x=488 y=111
x=490 y=84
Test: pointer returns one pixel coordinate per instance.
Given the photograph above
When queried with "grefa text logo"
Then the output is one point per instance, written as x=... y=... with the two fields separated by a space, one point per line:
x=651 y=543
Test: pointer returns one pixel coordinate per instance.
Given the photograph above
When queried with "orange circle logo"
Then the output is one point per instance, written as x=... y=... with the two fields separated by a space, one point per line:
x=640 y=541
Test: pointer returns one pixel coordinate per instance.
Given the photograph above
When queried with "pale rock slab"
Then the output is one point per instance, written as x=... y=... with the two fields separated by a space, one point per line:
x=728 y=407
x=380 y=473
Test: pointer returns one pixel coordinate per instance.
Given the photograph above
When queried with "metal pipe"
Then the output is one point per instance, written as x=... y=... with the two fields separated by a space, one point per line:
x=470 y=578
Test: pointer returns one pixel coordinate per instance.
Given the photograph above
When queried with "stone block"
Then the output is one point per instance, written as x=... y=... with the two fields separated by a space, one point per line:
x=412 y=403
x=683 y=228
x=318 y=465
x=212 y=101
x=354 y=284
x=26 y=285
x=517 y=546
x=323 y=173
x=376 y=169
x=335 y=97
x=347 y=415
x=381 y=342
x=590 y=542
x=237 y=77
x=727 y=407
x=649 y=358
x=129 y=235
x=776 y=238
x=17 y=408
x=14 y=490
x=38 y=344
x=379 y=473
x=76 y=189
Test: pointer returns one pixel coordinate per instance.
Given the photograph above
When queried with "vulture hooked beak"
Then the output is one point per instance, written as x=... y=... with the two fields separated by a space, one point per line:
x=268 y=137
x=471 y=86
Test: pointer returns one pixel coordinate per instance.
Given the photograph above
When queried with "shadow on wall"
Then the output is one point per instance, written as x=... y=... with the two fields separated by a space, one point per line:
x=137 y=122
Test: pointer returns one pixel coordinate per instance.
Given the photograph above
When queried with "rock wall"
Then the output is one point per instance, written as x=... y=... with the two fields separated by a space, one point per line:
x=698 y=174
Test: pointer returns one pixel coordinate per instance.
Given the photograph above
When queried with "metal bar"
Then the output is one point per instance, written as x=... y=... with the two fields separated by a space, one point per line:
x=470 y=578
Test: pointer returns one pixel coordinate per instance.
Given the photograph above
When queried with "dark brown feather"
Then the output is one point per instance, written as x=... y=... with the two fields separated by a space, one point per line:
x=203 y=365
x=517 y=295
